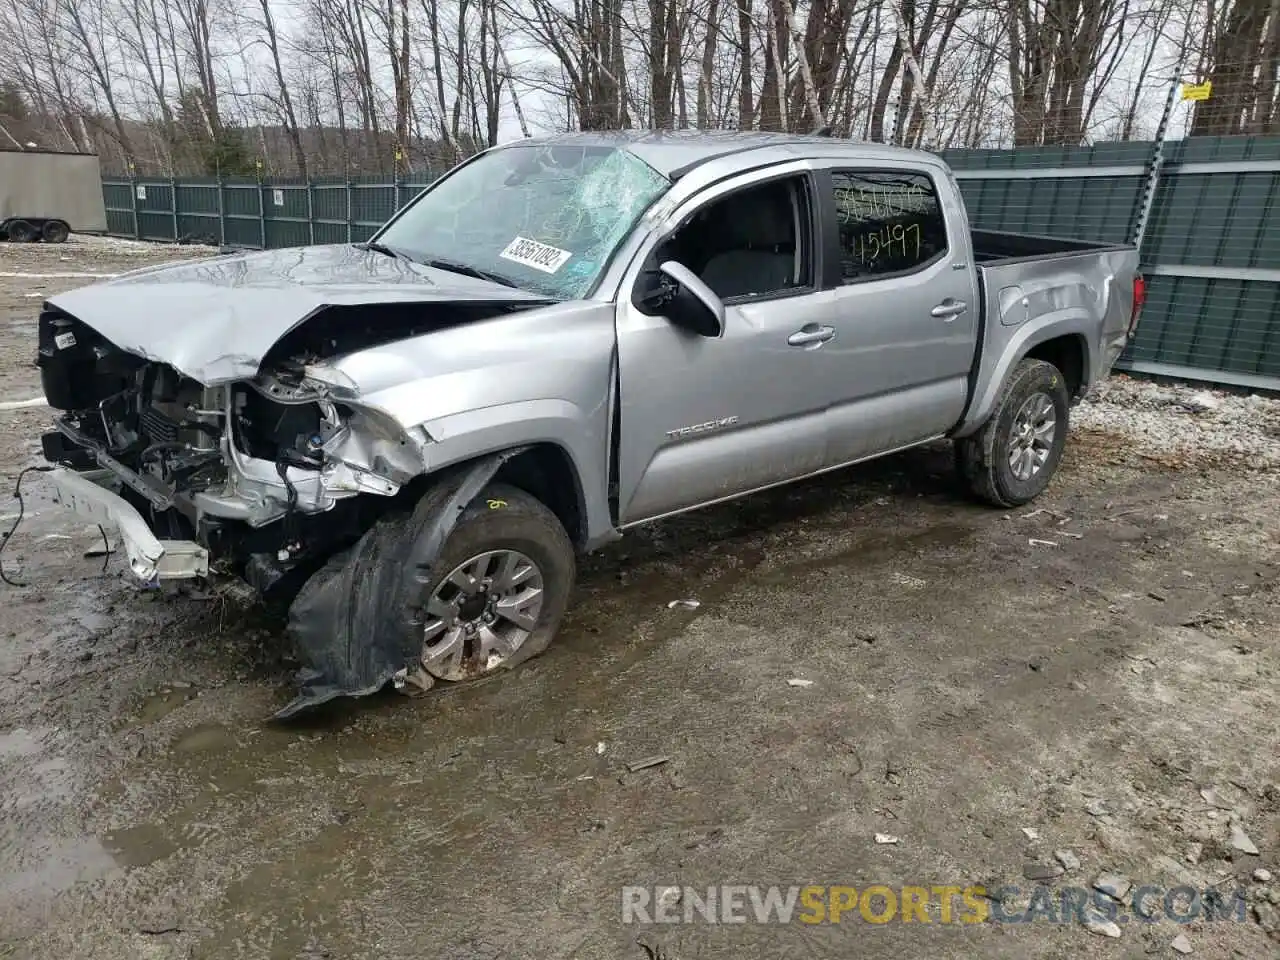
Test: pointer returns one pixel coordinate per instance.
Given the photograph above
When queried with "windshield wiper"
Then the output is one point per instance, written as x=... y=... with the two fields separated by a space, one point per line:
x=453 y=266
x=384 y=249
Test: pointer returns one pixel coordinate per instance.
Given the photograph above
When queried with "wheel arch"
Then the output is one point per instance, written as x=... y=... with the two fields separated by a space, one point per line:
x=546 y=471
x=1064 y=338
x=1070 y=354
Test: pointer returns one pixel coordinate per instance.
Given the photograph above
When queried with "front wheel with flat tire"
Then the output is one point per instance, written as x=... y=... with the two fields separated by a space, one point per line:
x=1015 y=454
x=498 y=589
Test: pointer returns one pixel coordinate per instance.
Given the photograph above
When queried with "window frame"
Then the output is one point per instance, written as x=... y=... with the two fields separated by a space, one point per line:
x=809 y=243
x=835 y=278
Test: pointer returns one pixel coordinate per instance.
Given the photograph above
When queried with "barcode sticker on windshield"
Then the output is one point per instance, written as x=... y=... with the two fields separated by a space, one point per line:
x=538 y=256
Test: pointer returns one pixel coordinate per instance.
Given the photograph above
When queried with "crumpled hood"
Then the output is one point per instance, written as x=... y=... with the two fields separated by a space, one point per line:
x=215 y=318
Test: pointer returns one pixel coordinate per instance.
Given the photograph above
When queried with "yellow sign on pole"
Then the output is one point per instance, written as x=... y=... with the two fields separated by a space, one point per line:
x=1197 y=91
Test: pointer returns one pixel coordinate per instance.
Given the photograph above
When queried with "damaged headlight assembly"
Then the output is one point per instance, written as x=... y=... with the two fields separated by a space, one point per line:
x=293 y=447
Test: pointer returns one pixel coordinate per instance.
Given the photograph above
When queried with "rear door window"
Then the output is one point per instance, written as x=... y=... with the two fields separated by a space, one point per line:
x=890 y=223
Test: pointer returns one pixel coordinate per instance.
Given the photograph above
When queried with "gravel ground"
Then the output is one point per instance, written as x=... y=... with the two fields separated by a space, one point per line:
x=1180 y=423
x=1084 y=690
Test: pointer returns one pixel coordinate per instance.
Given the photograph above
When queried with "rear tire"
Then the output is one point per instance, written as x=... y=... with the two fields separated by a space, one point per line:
x=20 y=231
x=1013 y=457
x=55 y=231
x=473 y=631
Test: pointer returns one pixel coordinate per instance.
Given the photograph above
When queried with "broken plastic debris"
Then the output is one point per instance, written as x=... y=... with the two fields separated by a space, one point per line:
x=669 y=896
x=646 y=763
x=601 y=747
x=908 y=581
x=1240 y=841
x=1210 y=796
x=1031 y=832
x=1041 y=543
x=797 y=682
x=887 y=838
x=1102 y=927
x=684 y=604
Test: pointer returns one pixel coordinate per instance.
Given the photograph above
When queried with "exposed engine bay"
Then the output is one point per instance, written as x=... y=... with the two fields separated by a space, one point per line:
x=242 y=468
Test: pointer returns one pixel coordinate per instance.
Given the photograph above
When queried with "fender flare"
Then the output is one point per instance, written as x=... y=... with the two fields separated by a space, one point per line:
x=988 y=385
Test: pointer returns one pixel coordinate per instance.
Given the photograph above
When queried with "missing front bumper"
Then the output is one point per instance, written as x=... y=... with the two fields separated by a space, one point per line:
x=150 y=559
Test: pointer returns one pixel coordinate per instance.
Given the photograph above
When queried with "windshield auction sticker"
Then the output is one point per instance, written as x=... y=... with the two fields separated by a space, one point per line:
x=538 y=256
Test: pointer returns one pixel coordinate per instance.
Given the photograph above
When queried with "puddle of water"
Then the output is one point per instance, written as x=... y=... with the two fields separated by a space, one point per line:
x=59 y=868
x=204 y=738
x=162 y=703
x=31 y=775
x=139 y=846
x=93 y=622
x=22 y=742
x=49 y=783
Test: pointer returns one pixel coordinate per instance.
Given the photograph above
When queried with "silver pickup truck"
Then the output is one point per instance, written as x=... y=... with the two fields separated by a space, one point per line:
x=409 y=438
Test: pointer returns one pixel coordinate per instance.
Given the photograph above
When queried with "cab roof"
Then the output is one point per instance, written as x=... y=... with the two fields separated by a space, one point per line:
x=675 y=153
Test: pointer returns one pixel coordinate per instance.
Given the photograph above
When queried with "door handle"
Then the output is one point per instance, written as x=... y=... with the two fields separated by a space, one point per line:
x=949 y=308
x=811 y=335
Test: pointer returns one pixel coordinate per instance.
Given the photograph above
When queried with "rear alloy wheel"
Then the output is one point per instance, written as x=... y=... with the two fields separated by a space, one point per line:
x=1034 y=430
x=55 y=231
x=1015 y=454
x=19 y=231
x=505 y=575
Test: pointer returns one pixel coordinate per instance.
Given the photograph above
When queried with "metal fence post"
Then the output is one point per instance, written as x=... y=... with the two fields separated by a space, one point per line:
x=1157 y=157
x=262 y=217
x=222 y=214
x=173 y=197
x=311 y=216
x=133 y=199
x=350 y=235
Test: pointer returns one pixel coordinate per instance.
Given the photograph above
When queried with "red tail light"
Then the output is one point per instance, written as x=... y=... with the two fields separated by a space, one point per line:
x=1139 y=298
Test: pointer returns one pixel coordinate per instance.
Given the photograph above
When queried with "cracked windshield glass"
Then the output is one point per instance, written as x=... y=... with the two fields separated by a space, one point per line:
x=542 y=218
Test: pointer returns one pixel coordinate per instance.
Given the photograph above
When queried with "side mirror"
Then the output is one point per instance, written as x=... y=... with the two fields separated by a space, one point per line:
x=685 y=300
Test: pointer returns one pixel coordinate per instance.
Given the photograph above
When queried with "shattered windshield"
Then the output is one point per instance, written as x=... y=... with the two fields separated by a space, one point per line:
x=545 y=218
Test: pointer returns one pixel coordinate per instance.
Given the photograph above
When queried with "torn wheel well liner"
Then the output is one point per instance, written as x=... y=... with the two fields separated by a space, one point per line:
x=345 y=624
x=1067 y=353
x=546 y=471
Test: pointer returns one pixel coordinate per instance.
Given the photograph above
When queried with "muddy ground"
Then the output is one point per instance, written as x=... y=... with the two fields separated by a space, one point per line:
x=1114 y=689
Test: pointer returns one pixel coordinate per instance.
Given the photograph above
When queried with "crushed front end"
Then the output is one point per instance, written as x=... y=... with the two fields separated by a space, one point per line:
x=258 y=479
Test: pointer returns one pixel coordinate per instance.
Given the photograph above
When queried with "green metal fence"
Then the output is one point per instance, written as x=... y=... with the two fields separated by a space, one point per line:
x=253 y=213
x=1211 y=250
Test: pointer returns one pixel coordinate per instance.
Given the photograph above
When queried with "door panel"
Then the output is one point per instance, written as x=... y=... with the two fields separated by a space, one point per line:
x=703 y=419
x=906 y=314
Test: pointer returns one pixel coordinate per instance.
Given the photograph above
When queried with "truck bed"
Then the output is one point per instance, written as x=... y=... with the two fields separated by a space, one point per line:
x=992 y=247
x=1080 y=289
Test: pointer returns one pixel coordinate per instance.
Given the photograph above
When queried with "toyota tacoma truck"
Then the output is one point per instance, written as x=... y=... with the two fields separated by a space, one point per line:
x=410 y=438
